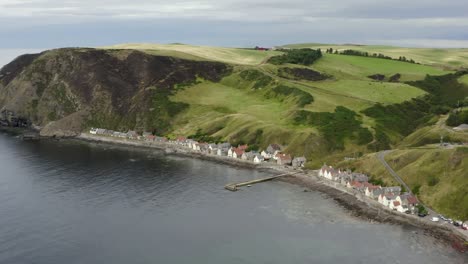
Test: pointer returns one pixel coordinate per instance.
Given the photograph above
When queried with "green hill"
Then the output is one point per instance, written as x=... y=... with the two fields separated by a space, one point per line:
x=334 y=107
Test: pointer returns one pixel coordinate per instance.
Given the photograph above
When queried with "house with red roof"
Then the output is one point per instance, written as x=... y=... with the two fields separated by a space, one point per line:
x=283 y=159
x=237 y=154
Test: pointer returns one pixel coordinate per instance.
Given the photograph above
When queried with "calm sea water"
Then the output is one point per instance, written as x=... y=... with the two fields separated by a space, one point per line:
x=74 y=202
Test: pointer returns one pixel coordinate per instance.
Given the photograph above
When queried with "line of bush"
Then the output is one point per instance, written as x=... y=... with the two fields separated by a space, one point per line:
x=351 y=52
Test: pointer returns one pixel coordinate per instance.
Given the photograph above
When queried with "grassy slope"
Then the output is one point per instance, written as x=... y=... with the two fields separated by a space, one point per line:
x=418 y=166
x=464 y=79
x=235 y=107
x=449 y=57
x=431 y=134
x=228 y=55
x=349 y=87
x=448 y=166
x=370 y=165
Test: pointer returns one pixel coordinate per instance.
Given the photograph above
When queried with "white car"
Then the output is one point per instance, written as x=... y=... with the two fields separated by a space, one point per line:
x=435 y=219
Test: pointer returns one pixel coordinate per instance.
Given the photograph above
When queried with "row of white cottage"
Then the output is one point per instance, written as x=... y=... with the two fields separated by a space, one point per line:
x=272 y=153
x=390 y=197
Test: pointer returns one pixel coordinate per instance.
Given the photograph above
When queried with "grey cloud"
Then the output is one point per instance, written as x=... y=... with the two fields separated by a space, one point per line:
x=46 y=23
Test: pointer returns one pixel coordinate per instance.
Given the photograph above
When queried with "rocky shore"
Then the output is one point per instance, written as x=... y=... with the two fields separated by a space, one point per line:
x=369 y=210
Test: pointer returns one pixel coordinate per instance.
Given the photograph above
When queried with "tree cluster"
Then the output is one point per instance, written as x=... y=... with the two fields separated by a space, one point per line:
x=457 y=118
x=297 y=56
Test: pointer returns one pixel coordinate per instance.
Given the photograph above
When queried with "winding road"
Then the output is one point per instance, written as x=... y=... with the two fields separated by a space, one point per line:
x=381 y=157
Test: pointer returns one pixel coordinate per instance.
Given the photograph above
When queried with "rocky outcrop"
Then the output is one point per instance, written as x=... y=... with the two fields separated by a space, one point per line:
x=65 y=89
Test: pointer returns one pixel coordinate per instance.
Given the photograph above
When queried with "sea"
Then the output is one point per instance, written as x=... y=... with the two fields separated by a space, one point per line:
x=71 y=202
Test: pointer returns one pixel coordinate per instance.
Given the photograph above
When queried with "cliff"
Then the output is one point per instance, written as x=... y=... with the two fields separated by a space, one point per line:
x=63 y=90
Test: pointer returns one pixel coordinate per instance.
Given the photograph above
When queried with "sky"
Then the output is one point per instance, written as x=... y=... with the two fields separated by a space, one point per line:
x=43 y=24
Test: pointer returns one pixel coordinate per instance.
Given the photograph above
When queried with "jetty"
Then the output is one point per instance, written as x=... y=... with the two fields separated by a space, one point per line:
x=234 y=186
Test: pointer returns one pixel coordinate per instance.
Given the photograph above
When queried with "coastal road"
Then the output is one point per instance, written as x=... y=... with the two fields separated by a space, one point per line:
x=381 y=157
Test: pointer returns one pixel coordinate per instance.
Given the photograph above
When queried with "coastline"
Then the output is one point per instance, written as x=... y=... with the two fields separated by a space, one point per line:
x=369 y=210
x=354 y=203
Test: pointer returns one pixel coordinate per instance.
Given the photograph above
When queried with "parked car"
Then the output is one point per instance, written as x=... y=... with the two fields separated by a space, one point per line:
x=421 y=215
x=435 y=219
x=455 y=223
x=442 y=217
x=407 y=212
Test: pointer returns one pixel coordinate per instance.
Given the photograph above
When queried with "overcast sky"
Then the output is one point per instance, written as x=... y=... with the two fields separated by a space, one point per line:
x=38 y=24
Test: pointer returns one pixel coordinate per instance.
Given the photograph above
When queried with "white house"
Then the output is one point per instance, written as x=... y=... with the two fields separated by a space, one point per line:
x=265 y=154
x=408 y=200
x=195 y=146
x=386 y=199
x=231 y=152
x=271 y=151
x=258 y=159
x=222 y=152
x=330 y=174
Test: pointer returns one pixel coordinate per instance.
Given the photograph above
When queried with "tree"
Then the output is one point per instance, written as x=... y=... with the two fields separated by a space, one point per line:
x=421 y=209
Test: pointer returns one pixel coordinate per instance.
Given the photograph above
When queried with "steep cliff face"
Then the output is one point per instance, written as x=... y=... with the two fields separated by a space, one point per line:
x=66 y=89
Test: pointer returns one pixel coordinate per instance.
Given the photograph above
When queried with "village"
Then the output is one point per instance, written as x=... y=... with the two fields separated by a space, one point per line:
x=272 y=154
x=391 y=198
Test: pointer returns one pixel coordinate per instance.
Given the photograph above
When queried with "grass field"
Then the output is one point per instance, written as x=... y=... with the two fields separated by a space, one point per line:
x=382 y=92
x=228 y=55
x=355 y=67
x=439 y=57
